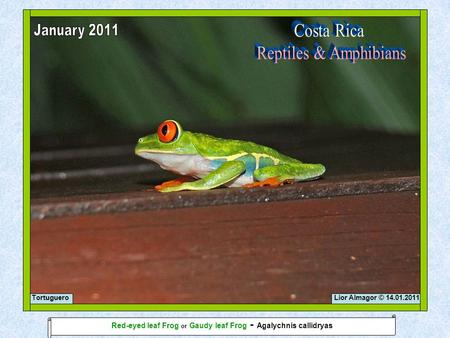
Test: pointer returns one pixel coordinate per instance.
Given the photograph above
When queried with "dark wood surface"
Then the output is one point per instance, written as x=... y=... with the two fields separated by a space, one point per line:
x=282 y=252
x=100 y=231
x=149 y=199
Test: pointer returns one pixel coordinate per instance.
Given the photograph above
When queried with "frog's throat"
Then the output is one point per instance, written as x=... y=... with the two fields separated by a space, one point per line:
x=190 y=165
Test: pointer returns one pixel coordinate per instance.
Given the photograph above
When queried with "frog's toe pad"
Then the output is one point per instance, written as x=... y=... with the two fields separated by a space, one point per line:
x=272 y=182
x=172 y=183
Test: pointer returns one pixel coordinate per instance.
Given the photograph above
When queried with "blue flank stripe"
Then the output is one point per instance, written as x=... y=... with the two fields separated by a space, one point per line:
x=249 y=160
x=265 y=162
x=250 y=163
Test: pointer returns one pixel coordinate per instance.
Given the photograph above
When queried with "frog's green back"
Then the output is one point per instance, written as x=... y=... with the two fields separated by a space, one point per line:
x=214 y=147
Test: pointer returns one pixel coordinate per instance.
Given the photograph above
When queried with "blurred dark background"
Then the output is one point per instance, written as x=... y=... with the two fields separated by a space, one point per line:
x=202 y=72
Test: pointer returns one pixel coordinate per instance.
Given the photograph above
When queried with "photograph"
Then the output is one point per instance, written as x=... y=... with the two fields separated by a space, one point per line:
x=196 y=160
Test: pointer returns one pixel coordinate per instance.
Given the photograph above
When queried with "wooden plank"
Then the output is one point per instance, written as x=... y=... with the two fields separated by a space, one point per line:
x=146 y=198
x=297 y=251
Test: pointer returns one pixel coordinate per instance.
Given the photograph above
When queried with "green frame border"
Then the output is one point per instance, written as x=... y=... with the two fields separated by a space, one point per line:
x=423 y=306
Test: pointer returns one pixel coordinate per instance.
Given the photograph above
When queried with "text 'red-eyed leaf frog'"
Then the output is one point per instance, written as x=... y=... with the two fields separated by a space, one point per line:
x=214 y=162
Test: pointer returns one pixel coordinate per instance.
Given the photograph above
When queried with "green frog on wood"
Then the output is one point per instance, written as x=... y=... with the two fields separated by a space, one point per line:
x=207 y=162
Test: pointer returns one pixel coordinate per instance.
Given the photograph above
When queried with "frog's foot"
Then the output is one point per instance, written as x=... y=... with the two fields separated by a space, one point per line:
x=272 y=182
x=173 y=183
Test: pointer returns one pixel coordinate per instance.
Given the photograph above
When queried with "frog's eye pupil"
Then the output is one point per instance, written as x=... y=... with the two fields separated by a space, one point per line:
x=168 y=131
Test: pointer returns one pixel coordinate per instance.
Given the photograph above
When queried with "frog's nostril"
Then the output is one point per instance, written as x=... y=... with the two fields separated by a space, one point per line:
x=141 y=140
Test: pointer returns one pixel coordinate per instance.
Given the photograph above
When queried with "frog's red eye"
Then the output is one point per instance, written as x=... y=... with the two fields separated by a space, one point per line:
x=167 y=131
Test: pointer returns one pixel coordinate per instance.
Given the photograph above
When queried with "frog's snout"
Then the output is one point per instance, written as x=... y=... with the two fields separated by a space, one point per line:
x=138 y=146
x=321 y=168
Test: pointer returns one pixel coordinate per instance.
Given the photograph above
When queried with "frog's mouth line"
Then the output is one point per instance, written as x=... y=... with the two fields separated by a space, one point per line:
x=151 y=155
x=139 y=152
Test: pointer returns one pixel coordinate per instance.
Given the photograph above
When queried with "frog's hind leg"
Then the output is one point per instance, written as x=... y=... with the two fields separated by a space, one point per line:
x=227 y=172
x=278 y=174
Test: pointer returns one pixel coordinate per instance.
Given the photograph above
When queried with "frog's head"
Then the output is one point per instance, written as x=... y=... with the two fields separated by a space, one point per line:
x=169 y=139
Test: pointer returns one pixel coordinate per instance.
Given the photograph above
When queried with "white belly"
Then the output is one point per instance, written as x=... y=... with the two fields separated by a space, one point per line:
x=190 y=165
x=240 y=181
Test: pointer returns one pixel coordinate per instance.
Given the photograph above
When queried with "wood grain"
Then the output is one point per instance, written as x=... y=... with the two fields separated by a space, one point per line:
x=296 y=251
x=149 y=199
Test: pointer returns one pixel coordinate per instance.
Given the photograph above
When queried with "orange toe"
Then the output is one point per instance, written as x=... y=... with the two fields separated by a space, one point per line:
x=272 y=182
x=173 y=183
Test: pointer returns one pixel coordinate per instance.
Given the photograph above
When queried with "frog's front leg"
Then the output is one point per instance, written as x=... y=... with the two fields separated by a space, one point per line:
x=277 y=174
x=227 y=172
x=173 y=183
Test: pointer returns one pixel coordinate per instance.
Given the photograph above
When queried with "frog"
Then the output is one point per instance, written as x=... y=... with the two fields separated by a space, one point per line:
x=206 y=162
